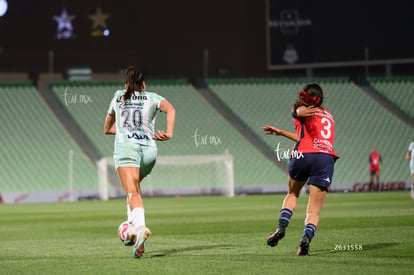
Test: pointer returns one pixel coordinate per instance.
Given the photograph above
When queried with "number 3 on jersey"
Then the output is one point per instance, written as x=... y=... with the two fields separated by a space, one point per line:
x=132 y=118
x=326 y=133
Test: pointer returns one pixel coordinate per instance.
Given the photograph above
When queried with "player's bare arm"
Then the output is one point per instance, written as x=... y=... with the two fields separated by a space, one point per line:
x=303 y=111
x=110 y=128
x=270 y=130
x=167 y=108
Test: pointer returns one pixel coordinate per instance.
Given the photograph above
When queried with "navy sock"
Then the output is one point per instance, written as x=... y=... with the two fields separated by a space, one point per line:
x=309 y=230
x=284 y=218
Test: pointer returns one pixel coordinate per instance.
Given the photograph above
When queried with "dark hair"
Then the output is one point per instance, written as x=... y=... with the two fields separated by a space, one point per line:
x=311 y=95
x=134 y=81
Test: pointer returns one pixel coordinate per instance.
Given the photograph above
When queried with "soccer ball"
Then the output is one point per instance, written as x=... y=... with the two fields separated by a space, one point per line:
x=122 y=231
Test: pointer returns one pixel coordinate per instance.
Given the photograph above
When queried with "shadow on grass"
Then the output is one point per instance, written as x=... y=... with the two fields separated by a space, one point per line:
x=375 y=246
x=372 y=246
x=185 y=249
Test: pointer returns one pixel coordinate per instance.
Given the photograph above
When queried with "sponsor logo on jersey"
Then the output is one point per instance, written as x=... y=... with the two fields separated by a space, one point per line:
x=133 y=97
x=138 y=136
x=129 y=105
x=322 y=144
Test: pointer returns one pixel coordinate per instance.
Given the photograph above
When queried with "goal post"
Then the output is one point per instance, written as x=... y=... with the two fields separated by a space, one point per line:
x=102 y=168
x=180 y=175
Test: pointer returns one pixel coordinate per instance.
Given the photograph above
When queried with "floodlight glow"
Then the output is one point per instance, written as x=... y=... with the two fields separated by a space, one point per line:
x=3 y=7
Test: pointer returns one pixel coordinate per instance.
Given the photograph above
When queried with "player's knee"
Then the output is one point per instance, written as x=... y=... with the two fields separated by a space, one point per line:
x=293 y=195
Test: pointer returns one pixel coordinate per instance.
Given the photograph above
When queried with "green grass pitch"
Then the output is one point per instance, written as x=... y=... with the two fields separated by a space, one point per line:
x=359 y=233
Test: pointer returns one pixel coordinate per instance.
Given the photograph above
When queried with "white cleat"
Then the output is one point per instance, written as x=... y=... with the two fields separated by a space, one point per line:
x=131 y=235
x=143 y=235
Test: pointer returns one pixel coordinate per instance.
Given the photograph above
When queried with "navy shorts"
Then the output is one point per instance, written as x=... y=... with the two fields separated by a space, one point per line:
x=317 y=167
x=373 y=172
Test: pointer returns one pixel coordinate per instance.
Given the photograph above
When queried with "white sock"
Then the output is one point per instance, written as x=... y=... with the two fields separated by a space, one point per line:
x=137 y=217
x=128 y=209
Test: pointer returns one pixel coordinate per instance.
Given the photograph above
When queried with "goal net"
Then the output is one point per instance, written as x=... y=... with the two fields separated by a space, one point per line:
x=175 y=176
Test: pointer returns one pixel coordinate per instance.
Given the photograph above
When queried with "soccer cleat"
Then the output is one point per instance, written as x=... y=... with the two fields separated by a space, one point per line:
x=273 y=239
x=131 y=235
x=304 y=246
x=143 y=235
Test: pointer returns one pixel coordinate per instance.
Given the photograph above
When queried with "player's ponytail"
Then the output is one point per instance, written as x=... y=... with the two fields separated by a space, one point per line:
x=311 y=95
x=134 y=81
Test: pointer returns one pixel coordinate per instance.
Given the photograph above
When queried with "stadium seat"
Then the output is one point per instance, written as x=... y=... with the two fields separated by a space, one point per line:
x=399 y=90
x=35 y=146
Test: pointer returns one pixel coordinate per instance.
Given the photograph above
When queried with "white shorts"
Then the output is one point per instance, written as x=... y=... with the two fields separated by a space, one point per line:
x=135 y=155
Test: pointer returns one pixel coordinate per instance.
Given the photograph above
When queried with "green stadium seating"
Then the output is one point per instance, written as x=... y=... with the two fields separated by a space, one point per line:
x=360 y=123
x=35 y=154
x=35 y=146
x=399 y=90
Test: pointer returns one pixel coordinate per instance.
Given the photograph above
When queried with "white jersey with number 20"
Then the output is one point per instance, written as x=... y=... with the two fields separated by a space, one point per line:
x=135 y=118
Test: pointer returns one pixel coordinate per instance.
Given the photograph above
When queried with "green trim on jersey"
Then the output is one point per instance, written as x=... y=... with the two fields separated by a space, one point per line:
x=135 y=118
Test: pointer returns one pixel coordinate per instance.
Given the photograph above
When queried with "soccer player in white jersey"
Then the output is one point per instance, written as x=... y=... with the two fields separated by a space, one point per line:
x=131 y=118
x=410 y=157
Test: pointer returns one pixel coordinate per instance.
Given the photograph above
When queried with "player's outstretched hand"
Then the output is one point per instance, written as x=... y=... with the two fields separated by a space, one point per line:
x=270 y=130
x=303 y=111
x=162 y=136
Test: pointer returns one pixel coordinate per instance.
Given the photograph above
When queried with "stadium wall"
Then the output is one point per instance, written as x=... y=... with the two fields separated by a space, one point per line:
x=169 y=38
x=65 y=196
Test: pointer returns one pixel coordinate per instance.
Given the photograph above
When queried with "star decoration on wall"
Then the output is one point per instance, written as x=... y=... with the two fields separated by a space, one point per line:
x=64 y=28
x=99 y=26
x=99 y=19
